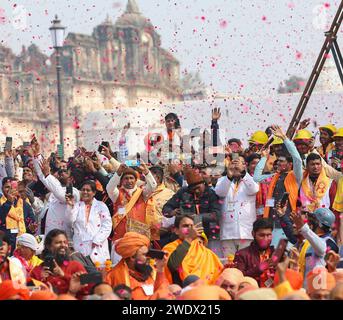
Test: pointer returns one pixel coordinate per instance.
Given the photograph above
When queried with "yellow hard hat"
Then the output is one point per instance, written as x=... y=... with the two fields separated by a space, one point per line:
x=303 y=135
x=259 y=137
x=339 y=133
x=277 y=141
x=330 y=127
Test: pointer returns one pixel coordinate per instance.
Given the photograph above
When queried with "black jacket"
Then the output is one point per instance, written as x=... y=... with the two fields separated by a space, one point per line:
x=208 y=204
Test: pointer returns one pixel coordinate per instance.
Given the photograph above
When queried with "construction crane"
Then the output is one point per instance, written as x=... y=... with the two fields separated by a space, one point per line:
x=329 y=44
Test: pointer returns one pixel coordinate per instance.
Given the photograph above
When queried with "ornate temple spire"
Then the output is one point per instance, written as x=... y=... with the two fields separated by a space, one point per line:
x=132 y=7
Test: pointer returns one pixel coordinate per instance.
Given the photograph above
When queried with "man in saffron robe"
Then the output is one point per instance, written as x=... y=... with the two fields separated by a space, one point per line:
x=189 y=256
x=134 y=270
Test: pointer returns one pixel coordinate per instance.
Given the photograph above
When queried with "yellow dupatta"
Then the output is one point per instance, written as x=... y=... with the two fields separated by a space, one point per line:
x=15 y=217
x=338 y=203
x=302 y=257
x=199 y=261
x=315 y=196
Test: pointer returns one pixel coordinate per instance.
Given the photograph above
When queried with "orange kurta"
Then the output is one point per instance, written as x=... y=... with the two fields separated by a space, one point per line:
x=199 y=261
x=121 y=275
x=138 y=212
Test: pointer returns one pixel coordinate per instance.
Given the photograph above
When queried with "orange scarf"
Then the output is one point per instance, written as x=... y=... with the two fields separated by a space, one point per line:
x=320 y=189
x=199 y=261
x=291 y=187
x=152 y=218
x=15 y=217
x=121 y=275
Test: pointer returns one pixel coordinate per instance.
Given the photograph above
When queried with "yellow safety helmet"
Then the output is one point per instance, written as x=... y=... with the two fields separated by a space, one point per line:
x=329 y=127
x=277 y=141
x=259 y=137
x=303 y=135
x=339 y=133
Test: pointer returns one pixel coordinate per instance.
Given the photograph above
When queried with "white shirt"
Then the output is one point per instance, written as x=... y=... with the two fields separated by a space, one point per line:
x=239 y=208
x=56 y=216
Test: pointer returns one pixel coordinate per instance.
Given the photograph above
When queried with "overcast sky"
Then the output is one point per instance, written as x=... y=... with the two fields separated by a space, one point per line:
x=239 y=46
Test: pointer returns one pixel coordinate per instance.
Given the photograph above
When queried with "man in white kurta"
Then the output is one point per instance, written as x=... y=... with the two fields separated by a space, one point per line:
x=56 y=215
x=239 y=208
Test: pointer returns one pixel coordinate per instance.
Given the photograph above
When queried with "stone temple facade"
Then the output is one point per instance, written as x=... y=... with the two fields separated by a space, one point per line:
x=121 y=64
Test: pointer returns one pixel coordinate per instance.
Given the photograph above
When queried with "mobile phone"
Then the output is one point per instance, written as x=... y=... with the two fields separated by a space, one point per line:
x=279 y=252
x=8 y=145
x=284 y=199
x=87 y=278
x=132 y=163
x=197 y=220
x=1 y=243
x=26 y=144
x=49 y=262
x=235 y=156
x=155 y=254
x=270 y=141
x=69 y=190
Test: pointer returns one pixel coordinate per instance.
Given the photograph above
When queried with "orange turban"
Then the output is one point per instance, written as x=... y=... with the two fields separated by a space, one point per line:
x=9 y=289
x=205 y=293
x=131 y=243
x=43 y=295
x=230 y=274
x=320 y=279
x=295 y=279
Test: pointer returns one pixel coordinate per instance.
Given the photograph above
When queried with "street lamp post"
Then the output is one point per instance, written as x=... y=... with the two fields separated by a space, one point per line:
x=57 y=34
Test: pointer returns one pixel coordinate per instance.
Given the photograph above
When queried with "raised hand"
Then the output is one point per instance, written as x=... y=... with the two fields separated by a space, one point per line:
x=143 y=168
x=304 y=124
x=332 y=260
x=121 y=169
x=45 y=167
x=89 y=165
x=216 y=114
x=126 y=129
x=278 y=132
x=297 y=219
x=106 y=152
x=35 y=147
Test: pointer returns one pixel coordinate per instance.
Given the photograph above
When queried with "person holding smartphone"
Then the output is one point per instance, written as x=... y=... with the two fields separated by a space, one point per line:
x=188 y=255
x=238 y=189
x=16 y=215
x=288 y=179
x=91 y=222
x=55 y=217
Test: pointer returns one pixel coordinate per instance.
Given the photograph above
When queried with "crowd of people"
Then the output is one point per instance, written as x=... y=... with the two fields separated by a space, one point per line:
x=262 y=223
